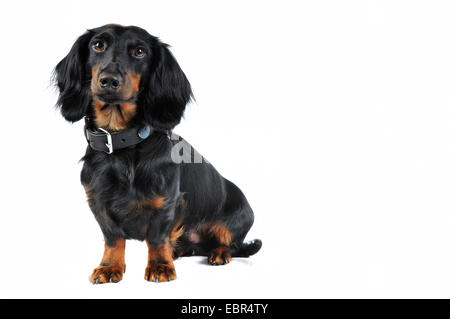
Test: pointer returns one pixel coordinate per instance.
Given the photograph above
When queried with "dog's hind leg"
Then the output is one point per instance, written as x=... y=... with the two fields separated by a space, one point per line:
x=221 y=254
x=236 y=220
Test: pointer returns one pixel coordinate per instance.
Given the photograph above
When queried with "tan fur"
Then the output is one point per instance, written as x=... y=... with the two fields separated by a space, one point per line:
x=218 y=230
x=176 y=232
x=110 y=117
x=220 y=256
x=154 y=202
x=156 y=271
x=112 y=265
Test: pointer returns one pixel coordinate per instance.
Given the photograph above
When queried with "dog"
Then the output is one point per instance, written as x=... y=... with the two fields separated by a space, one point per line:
x=140 y=183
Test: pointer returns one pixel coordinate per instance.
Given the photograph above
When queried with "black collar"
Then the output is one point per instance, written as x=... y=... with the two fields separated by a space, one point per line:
x=108 y=142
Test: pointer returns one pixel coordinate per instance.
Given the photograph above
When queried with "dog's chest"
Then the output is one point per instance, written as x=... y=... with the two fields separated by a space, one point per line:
x=123 y=193
x=121 y=184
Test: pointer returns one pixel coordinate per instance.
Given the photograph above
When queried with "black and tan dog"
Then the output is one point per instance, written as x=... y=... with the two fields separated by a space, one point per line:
x=132 y=93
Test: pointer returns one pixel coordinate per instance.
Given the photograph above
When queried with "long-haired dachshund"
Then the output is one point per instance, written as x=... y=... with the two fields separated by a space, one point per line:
x=143 y=182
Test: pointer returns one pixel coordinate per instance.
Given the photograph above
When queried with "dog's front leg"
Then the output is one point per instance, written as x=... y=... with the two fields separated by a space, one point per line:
x=112 y=266
x=160 y=266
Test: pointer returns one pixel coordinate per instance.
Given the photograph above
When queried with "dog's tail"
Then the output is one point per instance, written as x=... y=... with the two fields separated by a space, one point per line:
x=246 y=249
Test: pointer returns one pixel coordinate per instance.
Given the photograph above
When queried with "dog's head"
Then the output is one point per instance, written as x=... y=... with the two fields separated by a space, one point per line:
x=121 y=75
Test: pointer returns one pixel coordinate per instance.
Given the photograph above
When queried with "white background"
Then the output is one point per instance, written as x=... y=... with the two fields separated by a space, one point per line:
x=331 y=116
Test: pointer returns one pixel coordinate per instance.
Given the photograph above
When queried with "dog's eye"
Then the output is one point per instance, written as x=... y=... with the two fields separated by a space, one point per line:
x=99 y=46
x=139 y=52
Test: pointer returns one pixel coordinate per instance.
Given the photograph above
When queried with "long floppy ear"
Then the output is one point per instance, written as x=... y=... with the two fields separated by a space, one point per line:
x=72 y=78
x=166 y=92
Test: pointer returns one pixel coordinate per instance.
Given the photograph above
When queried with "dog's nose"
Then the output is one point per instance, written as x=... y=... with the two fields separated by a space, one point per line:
x=110 y=81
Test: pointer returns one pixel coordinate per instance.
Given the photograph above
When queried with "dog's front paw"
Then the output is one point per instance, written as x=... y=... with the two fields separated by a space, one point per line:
x=160 y=272
x=105 y=274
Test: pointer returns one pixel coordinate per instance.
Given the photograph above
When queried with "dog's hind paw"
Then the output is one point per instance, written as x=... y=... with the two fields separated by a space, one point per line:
x=219 y=256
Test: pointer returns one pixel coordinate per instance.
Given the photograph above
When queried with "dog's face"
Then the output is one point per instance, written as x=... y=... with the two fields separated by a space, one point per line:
x=118 y=58
x=122 y=75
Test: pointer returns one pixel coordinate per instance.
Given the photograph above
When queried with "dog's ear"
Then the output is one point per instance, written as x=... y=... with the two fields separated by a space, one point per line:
x=72 y=78
x=166 y=91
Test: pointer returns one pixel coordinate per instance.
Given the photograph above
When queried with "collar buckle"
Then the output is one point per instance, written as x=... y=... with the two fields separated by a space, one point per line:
x=109 y=143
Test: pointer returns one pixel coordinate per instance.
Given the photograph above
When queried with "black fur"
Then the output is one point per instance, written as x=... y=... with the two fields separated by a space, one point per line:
x=168 y=90
x=73 y=81
x=195 y=194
